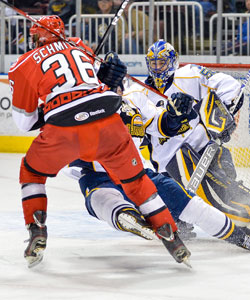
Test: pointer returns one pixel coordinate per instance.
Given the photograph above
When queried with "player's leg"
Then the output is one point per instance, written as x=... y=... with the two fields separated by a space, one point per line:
x=46 y=156
x=34 y=202
x=107 y=202
x=192 y=209
x=125 y=164
x=214 y=222
x=125 y=167
x=175 y=199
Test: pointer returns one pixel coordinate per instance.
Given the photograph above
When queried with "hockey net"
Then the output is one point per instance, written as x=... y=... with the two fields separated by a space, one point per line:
x=239 y=144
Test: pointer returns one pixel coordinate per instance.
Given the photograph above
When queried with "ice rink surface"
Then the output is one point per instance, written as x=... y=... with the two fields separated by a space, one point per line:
x=86 y=259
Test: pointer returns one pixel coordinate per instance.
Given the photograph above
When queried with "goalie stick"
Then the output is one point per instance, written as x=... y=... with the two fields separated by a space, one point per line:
x=202 y=166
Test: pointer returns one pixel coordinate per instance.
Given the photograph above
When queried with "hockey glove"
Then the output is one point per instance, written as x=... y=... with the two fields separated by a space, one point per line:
x=112 y=70
x=179 y=113
x=181 y=104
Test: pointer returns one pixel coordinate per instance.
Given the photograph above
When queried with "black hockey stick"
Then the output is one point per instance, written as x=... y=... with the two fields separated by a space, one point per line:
x=51 y=30
x=91 y=54
x=111 y=25
x=219 y=123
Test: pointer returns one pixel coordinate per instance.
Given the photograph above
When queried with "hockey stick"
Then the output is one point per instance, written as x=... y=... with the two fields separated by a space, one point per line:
x=218 y=121
x=203 y=166
x=111 y=25
x=51 y=30
x=91 y=54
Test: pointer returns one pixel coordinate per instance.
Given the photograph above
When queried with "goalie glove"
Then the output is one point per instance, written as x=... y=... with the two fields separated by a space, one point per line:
x=112 y=70
x=180 y=104
x=179 y=113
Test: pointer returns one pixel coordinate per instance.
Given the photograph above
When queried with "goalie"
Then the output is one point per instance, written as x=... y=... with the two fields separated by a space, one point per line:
x=177 y=156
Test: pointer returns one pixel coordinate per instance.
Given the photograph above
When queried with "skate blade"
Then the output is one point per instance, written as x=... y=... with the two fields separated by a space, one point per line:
x=185 y=259
x=187 y=262
x=34 y=260
x=130 y=224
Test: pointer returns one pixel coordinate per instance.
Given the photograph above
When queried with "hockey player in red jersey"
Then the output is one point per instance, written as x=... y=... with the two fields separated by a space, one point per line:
x=78 y=119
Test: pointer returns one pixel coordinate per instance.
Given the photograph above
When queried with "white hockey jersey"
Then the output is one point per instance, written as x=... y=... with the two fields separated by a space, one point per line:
x=196 y=81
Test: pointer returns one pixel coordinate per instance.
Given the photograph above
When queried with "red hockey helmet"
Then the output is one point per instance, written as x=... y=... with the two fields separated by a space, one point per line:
x=40 y=36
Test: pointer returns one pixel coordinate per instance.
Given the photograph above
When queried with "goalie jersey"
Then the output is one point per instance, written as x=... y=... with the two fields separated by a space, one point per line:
x=196 y=81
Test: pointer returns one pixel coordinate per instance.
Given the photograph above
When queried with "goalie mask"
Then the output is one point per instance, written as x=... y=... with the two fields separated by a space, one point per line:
x=40 y=36
x=162 y=62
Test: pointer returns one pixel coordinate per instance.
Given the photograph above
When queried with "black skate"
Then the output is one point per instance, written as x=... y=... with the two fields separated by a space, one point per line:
x=129 y=219
x=240 y=237
x=37 y=241
x=174 y=244
x=246 y=230
x=245 y=242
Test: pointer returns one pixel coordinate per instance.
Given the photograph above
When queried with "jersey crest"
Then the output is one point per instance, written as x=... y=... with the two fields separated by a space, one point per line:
x=133 y=120
x=163 y=140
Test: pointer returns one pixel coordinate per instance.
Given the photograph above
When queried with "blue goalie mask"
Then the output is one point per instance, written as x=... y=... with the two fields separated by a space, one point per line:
x=162 y=62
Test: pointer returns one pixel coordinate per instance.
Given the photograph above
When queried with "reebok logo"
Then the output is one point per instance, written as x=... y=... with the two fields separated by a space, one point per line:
x=97 y=112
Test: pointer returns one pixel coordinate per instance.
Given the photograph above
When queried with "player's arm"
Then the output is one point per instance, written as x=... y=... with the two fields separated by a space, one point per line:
x=112 y=70
x=164 y=122
x=25 y=111
x=225 y=86
x=179 y=112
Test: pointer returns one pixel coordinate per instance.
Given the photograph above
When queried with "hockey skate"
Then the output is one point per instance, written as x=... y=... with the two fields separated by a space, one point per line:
x=37 y=241
x=129 y=219
x=174 y=244
x=246 y=242
x=243 y=240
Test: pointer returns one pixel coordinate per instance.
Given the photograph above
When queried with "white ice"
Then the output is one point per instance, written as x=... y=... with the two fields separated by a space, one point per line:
x=86 y=259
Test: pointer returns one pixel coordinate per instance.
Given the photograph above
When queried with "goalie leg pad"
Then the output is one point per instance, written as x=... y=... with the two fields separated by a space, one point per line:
x=216 y=189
